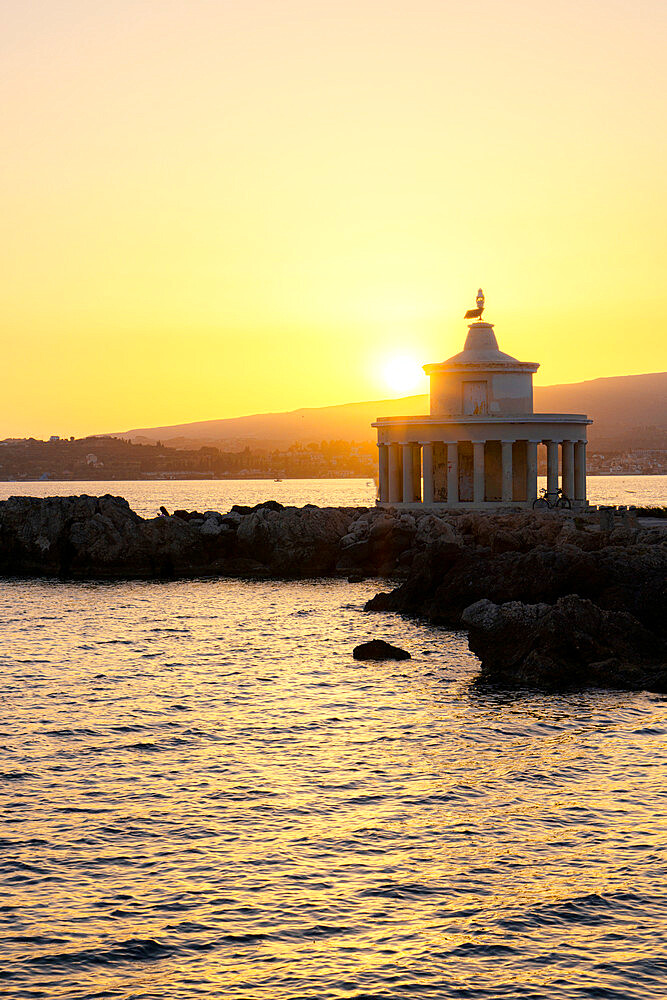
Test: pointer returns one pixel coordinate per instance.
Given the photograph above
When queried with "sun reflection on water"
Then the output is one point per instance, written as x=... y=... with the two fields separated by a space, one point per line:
x=205 y=795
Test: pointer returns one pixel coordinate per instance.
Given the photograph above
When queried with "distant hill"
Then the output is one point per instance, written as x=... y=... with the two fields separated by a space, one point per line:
x=620 y=406
x=346 y=422
x=628 y=410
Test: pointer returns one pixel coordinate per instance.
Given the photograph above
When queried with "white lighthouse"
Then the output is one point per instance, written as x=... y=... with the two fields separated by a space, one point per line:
x=478 y=446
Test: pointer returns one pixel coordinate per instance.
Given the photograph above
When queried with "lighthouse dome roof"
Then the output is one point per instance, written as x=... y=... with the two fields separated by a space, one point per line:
x=480 y=346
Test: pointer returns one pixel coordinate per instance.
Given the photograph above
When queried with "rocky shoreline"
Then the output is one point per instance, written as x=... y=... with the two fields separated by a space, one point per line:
x=547 y=599
x=89 y=537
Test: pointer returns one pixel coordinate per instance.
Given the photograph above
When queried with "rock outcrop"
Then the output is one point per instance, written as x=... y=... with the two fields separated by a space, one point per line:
x=101 y=537
x=548 y=599
x=386 y=543
x=378 y=649
x=572 y=642
x=294 y=541
x=445 y=561
x=534 y=559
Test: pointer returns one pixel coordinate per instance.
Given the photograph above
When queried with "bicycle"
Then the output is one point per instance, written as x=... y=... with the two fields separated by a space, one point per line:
x=546 y=501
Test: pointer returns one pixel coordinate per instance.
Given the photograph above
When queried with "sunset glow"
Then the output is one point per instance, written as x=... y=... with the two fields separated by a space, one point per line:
x=333 y=499
x=404 y=374
x=213 y=209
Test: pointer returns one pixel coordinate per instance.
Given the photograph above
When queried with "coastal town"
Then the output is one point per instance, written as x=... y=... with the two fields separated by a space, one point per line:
x=101 y=458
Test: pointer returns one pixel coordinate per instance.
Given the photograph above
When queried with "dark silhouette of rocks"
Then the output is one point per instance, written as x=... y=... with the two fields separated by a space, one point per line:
x=294 y=541
x=386 y=543
x=534 y=559
x=101 y=537
x=572 y=642
x=265 y=505
x=440 y=564
x=378 y=649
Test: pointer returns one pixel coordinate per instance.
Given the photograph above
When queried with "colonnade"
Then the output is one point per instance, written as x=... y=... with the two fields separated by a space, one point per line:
x=456 y=472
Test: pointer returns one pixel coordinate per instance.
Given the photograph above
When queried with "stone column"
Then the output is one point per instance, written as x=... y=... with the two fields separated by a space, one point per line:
x=568 y=469
x=408 y=473
x=417 y=473
x=395 y=491
x=427 y=464
x=580 y=470
x=552 y=469
x=507 y=473
x=452 y=473
x=478 y=484
x=383 y=473
x=439 y=471
x=531 y=470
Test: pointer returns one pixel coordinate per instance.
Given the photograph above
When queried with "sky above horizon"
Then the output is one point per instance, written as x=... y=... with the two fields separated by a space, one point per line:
x=213 y=209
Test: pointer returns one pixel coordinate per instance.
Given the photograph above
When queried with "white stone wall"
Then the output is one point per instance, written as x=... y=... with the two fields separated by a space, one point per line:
x=508 y=393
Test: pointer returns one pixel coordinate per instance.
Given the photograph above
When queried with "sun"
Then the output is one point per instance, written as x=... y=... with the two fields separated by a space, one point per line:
x=402 y=373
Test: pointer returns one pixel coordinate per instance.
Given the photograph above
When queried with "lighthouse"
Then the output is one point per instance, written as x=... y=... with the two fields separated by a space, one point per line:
x=478 y=446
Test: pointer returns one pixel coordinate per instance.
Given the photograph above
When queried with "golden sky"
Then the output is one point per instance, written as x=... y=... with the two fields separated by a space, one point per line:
x=214 y=207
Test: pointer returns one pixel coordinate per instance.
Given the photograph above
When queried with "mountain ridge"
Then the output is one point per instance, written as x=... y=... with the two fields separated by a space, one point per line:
x=618 y=405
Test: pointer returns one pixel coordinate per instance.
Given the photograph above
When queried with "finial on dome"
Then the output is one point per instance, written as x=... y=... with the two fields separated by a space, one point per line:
x=476 y=313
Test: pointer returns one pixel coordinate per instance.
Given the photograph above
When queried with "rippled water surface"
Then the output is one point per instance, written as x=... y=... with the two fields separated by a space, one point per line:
x=219 y=494
x=204 y=795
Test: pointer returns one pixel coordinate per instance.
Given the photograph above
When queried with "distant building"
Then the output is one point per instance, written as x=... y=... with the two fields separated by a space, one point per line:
x=478 y=446
x=55 y=437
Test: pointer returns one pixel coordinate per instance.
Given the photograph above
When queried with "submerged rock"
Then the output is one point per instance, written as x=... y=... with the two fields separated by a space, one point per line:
x=378 y=649
x=573 y=642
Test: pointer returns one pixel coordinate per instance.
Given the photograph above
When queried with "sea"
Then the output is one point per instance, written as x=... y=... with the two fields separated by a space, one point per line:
x=205 y=796
x=147 y=496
